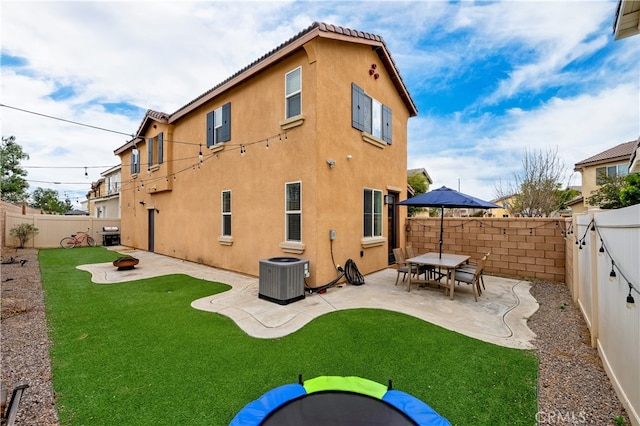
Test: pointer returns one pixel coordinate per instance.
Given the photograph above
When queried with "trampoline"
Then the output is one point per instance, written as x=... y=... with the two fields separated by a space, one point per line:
x=337 y=400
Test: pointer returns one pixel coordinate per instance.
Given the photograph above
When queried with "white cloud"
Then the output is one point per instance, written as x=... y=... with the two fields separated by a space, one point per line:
x=161 y=55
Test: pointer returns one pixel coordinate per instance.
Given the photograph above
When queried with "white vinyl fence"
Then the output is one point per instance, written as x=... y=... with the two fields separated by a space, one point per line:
x=607 y=243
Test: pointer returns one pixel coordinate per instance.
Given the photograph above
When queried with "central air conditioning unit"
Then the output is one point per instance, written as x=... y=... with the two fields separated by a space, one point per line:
x=281 y=279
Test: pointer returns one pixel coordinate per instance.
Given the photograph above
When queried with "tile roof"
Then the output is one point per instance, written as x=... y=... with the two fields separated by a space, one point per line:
x=329 y=29
x=617 y=153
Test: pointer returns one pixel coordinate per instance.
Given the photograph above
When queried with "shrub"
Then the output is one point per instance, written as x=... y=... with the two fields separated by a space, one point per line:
x=23 y=232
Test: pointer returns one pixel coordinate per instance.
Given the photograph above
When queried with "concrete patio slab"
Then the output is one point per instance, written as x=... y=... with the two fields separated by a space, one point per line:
x=499 y=316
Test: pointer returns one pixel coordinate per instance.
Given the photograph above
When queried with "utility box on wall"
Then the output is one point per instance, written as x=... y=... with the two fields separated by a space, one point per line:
x=281 y=279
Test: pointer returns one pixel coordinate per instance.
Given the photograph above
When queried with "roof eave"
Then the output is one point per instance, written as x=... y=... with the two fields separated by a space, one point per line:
x=288 y=49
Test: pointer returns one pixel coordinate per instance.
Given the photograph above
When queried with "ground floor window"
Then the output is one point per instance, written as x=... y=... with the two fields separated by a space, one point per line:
x=226 y=213
x=293 y=211
x=372 y=213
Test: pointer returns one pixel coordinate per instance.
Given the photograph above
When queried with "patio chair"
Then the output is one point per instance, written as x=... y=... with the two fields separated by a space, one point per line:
x=422 y=269
x=403 y=267
x=472 y=278
x=471 y=267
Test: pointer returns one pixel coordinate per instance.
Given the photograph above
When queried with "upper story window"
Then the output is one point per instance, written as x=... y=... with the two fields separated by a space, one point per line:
x=370 y=115
x=372 y=213
x=219 y=125
x=135 y=161
x=113 y=184
x=611 y=171
x=226 y=213
x=155 y=147
x=293 y=211
x=293 y=93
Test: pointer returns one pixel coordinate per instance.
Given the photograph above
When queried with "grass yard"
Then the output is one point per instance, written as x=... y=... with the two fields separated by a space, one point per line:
x=137 y=354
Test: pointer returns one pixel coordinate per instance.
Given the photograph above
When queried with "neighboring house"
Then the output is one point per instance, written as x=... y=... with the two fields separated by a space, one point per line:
x=104 y=197
x=627 y=24
x=505 y=204
x=412 y=172
x=627 y=19
x=310 y=138
x=612 y=162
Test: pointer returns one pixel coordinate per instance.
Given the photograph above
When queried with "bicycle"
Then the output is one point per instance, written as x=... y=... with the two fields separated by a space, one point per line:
x=77 y=240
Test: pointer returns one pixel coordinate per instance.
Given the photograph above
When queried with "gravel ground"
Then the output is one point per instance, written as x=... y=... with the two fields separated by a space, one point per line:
x=573 y=386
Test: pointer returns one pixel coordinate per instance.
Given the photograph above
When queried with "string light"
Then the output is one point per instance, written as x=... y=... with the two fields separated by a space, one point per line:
x=200 y=156
x=630 y=301
x=612 y=274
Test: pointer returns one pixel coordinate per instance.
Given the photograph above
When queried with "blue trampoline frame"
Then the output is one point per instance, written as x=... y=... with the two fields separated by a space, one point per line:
x=256 y=411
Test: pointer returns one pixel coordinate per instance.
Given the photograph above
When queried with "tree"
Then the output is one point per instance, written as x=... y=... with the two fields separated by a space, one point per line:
x=418 y=182
x=48 y=200
x=616 y=192
x=23 y=233
x=13 y=185
x=535 y=191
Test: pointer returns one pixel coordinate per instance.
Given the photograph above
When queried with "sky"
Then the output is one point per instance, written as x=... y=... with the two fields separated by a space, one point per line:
x=491 y=80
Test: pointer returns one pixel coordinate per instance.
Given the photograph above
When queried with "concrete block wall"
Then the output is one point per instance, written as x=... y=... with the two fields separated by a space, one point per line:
x=520 y=247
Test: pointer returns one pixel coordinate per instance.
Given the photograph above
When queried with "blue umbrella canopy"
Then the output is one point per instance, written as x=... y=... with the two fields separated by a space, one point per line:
x=449 y=198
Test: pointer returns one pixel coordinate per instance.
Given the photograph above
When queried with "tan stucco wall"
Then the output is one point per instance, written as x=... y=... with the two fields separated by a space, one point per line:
x=589 y=181
x=188 y=223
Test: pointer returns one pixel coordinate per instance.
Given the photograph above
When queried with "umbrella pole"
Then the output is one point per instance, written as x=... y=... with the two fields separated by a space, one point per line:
x=441 y=228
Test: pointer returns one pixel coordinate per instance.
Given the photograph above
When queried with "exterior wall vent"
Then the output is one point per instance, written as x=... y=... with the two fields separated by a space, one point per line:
x=281 y=279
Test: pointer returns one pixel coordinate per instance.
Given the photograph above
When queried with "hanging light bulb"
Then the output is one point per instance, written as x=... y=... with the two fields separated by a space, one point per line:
x=242 y=150
x=200 y=156
x=612 y=274
x=86 y=175
x=593 y=226
x=601 y=250
x=267 y=143
x=630 y=301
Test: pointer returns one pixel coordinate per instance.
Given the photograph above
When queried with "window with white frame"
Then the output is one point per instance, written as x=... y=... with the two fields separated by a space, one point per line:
x=372 y=213
x=293 y=211
x=293 y=93
x=226 y=213
x=370 y=115
x=135 y=161
x=219 y=125
x=611 y=171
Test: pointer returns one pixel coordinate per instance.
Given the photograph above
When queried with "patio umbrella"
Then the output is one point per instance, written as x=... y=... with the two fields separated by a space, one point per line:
x=449 y=198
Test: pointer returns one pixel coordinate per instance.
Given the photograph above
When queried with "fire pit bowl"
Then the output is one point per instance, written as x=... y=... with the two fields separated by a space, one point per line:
x=125 y=262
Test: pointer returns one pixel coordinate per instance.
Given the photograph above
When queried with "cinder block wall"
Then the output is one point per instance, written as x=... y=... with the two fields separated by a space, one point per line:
x=520 y=247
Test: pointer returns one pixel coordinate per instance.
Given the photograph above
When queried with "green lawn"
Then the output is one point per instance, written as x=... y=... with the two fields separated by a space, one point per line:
x=137 y=354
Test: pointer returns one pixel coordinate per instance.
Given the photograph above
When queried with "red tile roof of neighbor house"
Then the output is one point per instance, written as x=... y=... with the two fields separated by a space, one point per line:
x=620 y=152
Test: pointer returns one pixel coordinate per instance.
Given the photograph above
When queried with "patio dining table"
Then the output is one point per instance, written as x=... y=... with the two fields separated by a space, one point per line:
x=446 y=261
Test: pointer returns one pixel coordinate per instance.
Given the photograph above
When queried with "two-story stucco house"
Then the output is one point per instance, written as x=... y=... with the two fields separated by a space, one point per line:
x=103 y=201
x=611 y=162
x=308 y=139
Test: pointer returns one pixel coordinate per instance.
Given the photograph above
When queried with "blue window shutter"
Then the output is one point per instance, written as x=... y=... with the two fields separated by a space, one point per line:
x=357 y=112
x=160 y=147
x=138 y=157
x=225 y=135
x=210 y=129
x=150 y=151
x=386 y=124
x=133 y=163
